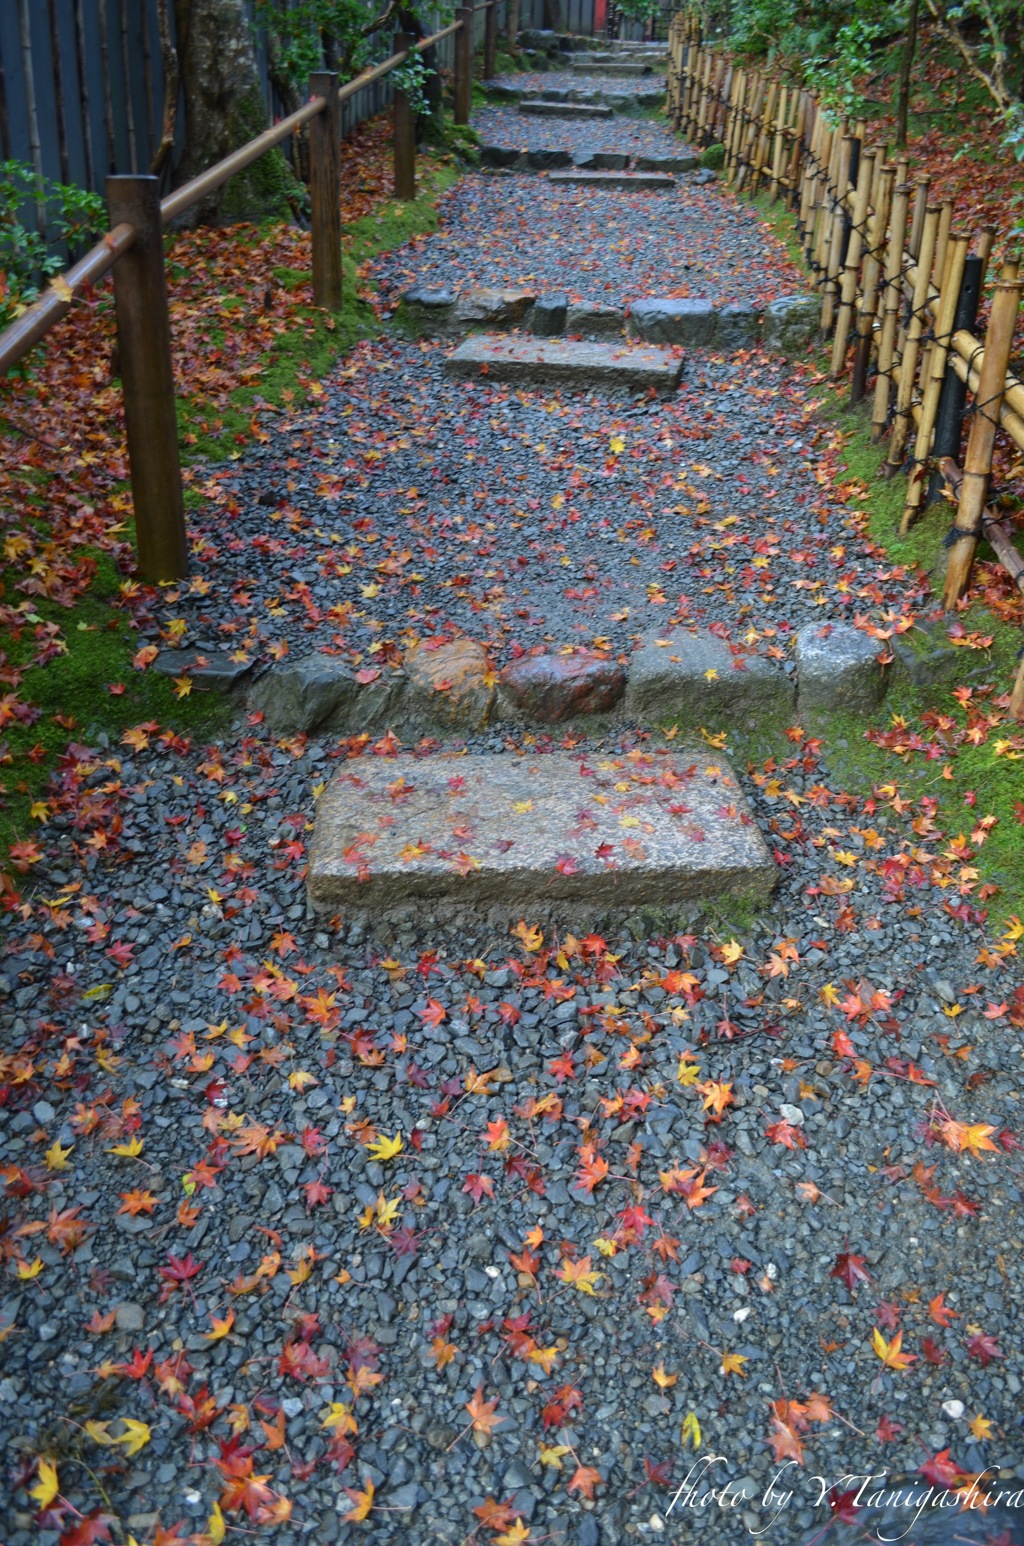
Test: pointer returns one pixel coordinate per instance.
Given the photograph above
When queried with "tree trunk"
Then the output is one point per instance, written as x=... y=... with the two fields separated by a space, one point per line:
x=906 y=73
x=224 y=108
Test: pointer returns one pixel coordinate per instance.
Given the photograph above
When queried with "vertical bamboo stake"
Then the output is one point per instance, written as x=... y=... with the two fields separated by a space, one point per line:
x=58 y=92
x=83 y=96
x=35 y=147
x=942 y=239
x=490 y=39
x=891 y=297
x=836 y=242
x=463 y=64
x=851 y=267
x=777 y=143
x=917 y=218
x=148 y=97
x=1017 y=696
x=933 y=373
x=869 y=289
x=129 y=106
x=108 y=101
x=144 y=346
x=915 y=327
x=950 y=412
x=978 y=460
x=5 y=127
x=405 y=132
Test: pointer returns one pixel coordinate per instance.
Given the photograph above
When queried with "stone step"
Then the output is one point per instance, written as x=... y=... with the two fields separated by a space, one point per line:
x=566 y=362
x=641 y=182
x=541 y=109
x=617 y=831
x=625 y=67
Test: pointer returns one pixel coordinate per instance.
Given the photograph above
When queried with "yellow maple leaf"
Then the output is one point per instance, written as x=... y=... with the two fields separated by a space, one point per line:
x=220 y=1328
x=551 y=1454
x=616 y=445
x=215 y=1527
x=578 y=1273
x=891 y=1353
x=545 y=1356
x=663 y=1380
x=130 y=1150
x=529 y=936
x=732 y=1363
x=338 y=1418
x=362 y=1503
x=135 y=1435
x=515 y=1535
x=386 y=1148
x=25 y=1271
x=301 y=1079
x=981 y=1427
x=690 y=1433
x=55 y=1157
x=732 y=950
x=45 y=1489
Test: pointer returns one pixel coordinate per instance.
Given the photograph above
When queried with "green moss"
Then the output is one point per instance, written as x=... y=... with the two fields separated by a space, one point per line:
x=713 y=158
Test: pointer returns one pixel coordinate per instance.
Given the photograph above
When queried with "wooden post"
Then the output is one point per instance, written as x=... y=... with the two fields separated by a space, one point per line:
x=490 y=39
x=325 y=193
x=908 y=355
x=463 y=89
x=932 y=375
x=978 y=461
x=147 y=379
x=404 y=132
x=869 y=287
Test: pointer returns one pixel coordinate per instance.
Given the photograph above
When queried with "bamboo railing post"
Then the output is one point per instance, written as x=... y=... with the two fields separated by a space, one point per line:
x=1017 y=696
x=463 y=86
x=405 y=132
x=147 y=379
x=325 y=192
x=490 y=39
x=908 y=355
x=932 y=374
x=869 y=287
x=950 y=411
x=921 y=187
x=778 y=143
x=891 y=297
x=851 y=262
x=848 y=165
x=978 y=460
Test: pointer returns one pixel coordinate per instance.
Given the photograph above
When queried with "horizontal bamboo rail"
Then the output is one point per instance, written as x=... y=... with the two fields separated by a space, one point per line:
x=133 y=249
x=900 y=285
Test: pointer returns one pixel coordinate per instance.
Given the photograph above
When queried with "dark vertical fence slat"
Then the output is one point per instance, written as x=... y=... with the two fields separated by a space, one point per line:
x=5 y=130
x=126 y=89
x=83 y=95
x=147 y=378
x=58 y=91
x=108 y=95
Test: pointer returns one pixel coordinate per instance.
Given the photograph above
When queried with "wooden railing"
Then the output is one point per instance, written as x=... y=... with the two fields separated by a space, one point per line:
x=901 y=287
x=133 y=248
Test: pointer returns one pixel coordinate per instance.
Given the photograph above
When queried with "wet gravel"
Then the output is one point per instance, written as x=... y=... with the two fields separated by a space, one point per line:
x=605 y=245
x=171 y=987
x=406 y=504
x=580 y=137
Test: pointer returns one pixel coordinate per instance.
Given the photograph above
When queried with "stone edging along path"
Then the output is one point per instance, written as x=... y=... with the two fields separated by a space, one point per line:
x=690 y=677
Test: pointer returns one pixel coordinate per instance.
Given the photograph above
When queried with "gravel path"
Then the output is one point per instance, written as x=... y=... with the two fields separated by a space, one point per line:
x=581 y=137
x=299 y=1209
x=338 y=1310
x=607 y=246
x=408 y=504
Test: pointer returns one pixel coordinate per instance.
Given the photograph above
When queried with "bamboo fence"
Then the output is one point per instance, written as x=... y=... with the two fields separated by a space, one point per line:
x=901 y=286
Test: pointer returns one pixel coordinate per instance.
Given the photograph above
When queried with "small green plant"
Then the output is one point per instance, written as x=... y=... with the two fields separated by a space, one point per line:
x=713 y=158
x=411 y=77
x=29 y=256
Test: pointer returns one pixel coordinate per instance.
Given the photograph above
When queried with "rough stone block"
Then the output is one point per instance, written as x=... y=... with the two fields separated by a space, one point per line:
x=736 y=327
x=837 y=668
x=547 y=319
x=666 y=320
x=209 y=670
x=506 y=829
x=539 y=109
x=321 y=692
x=790 y=324
x=553 y=688
x=672 y=164
x=499 y=155
x=697 y=678
x=603 y=161
x=619 y=182
x=566 y=362
x=493 y=308
x=593 y=320
x=448 y=686
x=546 y=160
x=430 y=310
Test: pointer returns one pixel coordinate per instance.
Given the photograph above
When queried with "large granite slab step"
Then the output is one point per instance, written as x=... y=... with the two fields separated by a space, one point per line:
x=616 y=831
x=639 y=182
x=542 y=109
x=566 y=362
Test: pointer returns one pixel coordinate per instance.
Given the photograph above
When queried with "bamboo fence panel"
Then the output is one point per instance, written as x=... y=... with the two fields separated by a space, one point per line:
x=890 y=265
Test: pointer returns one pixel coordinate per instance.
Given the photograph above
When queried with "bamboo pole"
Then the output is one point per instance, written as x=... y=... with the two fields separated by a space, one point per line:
x=35 y=146
x=998 y=534
x=933 y=373
x=978 y=460
x=921 y=187
x=58 y=91
x=83 y=95
x=869 y=284
x=837 y=239
x=129 y=106
x=108 y=102
x=851 y=266
x=911 y=345
x=778 y=142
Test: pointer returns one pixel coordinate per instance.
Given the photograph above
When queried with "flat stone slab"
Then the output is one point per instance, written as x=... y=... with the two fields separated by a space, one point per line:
x=698 y=678
x=625 y=67
x=638 y=182
x=208 y=670
x=542 y=109
x=566 y=362
x=652 y=829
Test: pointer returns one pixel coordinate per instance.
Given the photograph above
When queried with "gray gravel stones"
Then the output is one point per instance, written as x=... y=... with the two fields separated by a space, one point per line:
x=485 y=830
x=838 y=668
x=699 y=679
